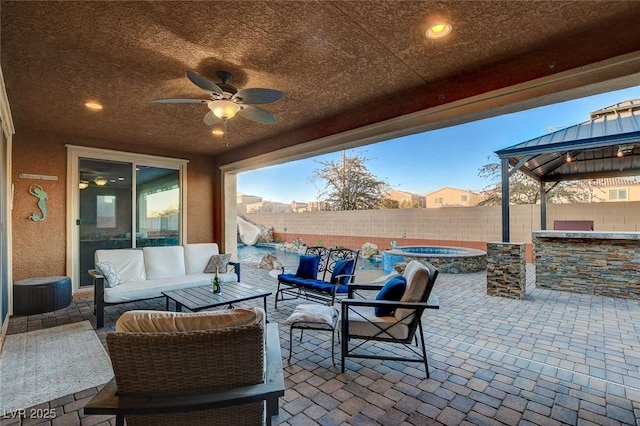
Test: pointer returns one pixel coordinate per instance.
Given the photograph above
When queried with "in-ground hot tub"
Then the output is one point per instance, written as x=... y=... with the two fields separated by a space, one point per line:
x=448 y=260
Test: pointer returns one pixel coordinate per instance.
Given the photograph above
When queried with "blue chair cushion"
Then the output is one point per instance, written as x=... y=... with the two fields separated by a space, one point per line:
x=392 y=290
x=311 y=284
x=308 y=267
x=343 y=267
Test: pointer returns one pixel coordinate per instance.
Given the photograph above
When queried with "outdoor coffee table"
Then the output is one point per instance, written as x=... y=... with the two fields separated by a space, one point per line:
x=199 y=298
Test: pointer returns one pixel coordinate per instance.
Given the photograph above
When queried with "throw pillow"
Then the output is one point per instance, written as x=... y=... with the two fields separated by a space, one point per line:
x=308 y=267
x=312 y=313
x=392 y=290
x=342 y=267
x=219 y=261
x=110 y=273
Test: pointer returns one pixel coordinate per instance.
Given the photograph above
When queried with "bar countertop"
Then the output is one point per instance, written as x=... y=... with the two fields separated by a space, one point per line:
x=595 y=235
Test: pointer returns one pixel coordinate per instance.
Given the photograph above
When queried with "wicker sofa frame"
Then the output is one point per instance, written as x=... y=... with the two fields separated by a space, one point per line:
x=163 y=382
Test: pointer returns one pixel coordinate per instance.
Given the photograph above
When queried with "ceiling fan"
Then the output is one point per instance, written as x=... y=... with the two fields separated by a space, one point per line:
x=225 y=100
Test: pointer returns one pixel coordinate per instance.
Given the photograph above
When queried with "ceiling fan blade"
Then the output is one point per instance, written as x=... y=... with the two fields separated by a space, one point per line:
x=257 y=96
x=181 y=101
x=256 y=114
x=203 y=83
x=210 y=119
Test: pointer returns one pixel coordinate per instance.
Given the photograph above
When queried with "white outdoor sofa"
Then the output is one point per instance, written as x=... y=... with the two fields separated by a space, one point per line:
x=145 y=273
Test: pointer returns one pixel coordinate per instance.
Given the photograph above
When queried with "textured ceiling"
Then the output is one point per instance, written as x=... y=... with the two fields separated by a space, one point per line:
x=341 y=64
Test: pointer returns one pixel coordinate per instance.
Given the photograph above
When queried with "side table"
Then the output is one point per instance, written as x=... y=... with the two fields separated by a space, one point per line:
x=41 y=294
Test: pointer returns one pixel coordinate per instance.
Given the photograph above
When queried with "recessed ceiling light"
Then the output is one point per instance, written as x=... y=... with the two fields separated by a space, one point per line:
x=93 y=105
x=438 y=30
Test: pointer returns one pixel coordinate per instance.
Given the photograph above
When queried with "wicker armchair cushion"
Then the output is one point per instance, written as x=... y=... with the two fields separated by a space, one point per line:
x=158 y=321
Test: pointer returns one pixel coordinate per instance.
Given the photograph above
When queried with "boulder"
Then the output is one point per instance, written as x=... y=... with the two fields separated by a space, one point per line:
x=269 y=261
x=368 y=250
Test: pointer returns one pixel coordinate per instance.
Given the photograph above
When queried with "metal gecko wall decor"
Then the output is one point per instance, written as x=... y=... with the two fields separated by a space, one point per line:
x=37 y=191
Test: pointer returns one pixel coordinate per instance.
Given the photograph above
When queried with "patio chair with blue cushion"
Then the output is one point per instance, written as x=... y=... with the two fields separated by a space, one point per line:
x=394 y=316
x=323 y=273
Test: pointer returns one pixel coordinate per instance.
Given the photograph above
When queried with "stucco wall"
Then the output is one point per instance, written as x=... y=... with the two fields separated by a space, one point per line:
x=463 y=226
x=39 y=248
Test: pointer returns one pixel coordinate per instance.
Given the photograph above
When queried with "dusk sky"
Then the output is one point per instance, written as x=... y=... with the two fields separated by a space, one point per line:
x=428 y=161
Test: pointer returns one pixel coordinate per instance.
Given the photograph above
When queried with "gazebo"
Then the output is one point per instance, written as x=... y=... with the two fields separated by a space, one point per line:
x=607 y=145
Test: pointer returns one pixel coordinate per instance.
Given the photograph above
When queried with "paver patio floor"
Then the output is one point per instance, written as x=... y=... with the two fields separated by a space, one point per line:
x=552 y=358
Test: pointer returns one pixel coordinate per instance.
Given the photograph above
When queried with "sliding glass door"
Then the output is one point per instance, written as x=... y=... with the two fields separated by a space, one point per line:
x=124 y=204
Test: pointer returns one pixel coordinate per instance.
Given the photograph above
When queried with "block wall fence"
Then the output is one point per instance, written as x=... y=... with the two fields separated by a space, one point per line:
x=470 y=227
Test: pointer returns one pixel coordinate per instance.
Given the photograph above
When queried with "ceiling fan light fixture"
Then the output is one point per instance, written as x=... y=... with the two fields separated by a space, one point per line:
x=224 y=109
x=100 y=181
x=439 y=30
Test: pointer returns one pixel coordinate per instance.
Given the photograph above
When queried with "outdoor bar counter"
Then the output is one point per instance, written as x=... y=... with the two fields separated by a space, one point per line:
x=589 y=262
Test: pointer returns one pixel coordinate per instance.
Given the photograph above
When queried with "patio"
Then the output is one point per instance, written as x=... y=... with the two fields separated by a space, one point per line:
x=552 y=358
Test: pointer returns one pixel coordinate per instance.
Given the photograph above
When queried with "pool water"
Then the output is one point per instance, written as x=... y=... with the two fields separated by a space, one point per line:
x=254 y=254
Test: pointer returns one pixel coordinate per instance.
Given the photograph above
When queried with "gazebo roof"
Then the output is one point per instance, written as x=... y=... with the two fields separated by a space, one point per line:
x=607 y=145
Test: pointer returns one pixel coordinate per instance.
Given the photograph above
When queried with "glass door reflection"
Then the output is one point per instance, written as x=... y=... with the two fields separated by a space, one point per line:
x=105 y=210
x=158 y=206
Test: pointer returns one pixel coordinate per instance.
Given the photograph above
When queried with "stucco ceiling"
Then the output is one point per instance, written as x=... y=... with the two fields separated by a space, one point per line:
x=341 y=64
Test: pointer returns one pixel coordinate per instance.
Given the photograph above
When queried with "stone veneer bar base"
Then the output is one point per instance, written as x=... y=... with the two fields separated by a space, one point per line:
x=506 y=270
x=599 y=263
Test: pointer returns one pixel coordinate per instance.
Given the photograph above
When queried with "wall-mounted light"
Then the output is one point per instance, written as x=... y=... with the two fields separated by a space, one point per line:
x=100 y=181
x=83 y=184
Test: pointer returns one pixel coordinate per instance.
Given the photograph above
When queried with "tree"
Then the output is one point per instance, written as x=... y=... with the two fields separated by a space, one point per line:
x=525 y=190
x=348 y=184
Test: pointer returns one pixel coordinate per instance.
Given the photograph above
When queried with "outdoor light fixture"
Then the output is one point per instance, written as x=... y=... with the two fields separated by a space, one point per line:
x=100 y=181
x=93 y=105
x=568 y=158
x=83 y=184
x=438 y=30
x=625 y=149
x=223 y=108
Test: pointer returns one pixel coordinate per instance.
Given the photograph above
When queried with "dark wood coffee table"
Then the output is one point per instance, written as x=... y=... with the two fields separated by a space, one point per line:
x=199 y=298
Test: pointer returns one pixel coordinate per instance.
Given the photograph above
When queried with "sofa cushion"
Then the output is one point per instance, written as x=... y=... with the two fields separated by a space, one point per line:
x=392 y=290
x=312 y=284
x=158 y=321
x=128 y=262
x=166 y=261
x=308 y=267
x=364 y=322
x=111 y=276
x=417 y=276
x=218 y=262
x=343 y=267
x=197 y=255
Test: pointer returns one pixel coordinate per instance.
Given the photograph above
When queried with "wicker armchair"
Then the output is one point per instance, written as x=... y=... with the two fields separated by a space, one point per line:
x=217 y=376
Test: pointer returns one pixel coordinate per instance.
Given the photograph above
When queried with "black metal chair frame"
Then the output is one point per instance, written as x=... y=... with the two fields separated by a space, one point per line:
x=328 y=259
x=429 y=302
